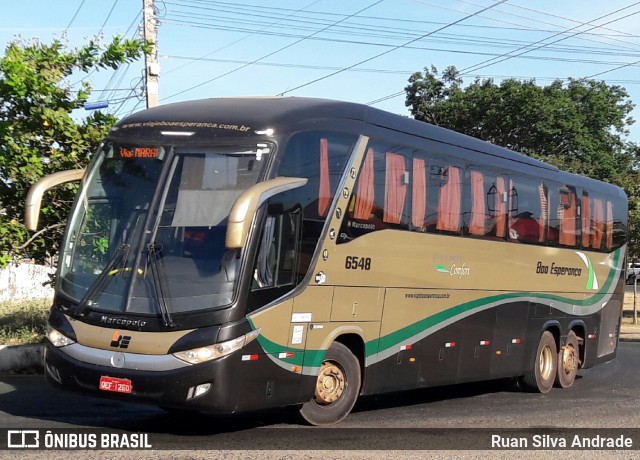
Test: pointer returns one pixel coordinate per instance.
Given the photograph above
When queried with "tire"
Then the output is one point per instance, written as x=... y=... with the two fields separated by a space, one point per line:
x=337 y=387
x=541 y=378
x=568 y=362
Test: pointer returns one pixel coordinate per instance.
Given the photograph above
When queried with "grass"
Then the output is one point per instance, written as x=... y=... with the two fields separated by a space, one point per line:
x=23 y=321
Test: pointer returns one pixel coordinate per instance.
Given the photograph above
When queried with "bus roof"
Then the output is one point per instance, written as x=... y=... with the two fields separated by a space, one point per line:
x=259 y=113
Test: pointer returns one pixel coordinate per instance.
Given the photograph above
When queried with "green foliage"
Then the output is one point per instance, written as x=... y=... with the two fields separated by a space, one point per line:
x=23 y=321
x=579 y=126
x=39 y=136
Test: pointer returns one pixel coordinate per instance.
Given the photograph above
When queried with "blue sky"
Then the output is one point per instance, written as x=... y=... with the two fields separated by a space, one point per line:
x=357 y=50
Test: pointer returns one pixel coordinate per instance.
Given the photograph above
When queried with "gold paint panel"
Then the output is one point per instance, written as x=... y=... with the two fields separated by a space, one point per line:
x=357 y=304
x=146 y=343
x=273 y=321
x=315 y=300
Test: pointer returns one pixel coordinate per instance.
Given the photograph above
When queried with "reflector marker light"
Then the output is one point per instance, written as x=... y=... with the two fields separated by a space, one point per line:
x=484 y=343
x=450 y=344
x=611 y=336
x=515 y=341
x=592 y=336
x=249 y=357
x=405 y=347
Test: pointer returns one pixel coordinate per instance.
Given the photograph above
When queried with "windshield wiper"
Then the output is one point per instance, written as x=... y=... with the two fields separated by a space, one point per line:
x=115 y=266
x=153 y=251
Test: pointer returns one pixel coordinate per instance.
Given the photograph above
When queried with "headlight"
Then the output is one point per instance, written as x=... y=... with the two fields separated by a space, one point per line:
x=57 y=338
x=217 y=350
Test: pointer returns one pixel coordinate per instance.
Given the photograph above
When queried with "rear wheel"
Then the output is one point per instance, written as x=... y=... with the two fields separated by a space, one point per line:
x=568 y=362
x=337 y=387
x=540 y=379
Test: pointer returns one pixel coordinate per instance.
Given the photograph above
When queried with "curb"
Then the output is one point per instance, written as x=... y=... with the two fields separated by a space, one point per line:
x=22 y=359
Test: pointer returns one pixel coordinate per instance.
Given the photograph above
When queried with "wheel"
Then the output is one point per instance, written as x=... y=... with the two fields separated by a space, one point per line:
x=337 y=387
x=568 y=362
x=540 y=379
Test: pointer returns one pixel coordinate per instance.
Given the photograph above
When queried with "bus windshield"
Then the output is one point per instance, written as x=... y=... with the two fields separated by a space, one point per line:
x=148 y=229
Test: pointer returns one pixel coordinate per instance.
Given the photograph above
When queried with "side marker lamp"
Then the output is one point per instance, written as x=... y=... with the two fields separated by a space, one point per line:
x=217 y=350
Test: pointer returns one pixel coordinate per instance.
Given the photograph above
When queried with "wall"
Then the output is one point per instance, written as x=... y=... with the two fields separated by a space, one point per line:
x=24 y=281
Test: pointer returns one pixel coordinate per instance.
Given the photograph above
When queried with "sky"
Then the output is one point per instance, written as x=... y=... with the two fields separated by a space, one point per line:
x=358 y=50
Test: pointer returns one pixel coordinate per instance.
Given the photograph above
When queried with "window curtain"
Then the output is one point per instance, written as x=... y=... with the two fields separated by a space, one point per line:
x=395 y=189
x=568 y=221
x=586 y=222
x=449 y=202
x=419 y=192
x=598 y=217
x=324 y=192
x=544 y=212
x=609 y=225
x=476 y=226
x=365 y=190
x=501 y=208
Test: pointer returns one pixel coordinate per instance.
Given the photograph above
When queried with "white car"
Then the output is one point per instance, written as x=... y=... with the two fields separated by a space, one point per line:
x=633 y=272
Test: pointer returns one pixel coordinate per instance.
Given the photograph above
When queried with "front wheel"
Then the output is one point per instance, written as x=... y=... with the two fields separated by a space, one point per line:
x=541 y=378
x=568 y=362
x=337 y=387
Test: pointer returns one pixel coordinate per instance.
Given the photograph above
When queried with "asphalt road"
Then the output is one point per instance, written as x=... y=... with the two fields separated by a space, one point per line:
x=605 y=399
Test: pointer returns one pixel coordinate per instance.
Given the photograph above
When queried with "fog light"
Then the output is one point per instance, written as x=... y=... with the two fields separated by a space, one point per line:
x=198 y=390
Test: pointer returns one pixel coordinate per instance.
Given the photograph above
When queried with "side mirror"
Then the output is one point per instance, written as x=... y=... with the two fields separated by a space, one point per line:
x=247 y=204
x=34 y=198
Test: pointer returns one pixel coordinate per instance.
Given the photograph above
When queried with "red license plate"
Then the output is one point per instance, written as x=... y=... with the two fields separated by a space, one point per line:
x=115 y=384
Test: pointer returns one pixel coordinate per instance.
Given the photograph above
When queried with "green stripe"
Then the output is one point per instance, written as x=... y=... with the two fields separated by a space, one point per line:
x=314 y=357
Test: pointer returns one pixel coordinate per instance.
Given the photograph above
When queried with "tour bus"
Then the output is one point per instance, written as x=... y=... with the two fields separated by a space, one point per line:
x=236 y=254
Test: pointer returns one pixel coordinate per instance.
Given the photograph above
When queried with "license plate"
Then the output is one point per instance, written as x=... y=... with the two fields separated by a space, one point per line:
x=115 y=384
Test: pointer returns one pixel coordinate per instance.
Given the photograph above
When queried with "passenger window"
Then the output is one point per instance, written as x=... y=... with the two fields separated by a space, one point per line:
x=528 y=214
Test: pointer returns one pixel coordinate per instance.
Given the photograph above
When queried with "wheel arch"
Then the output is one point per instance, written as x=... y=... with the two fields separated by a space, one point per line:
x=580 y=330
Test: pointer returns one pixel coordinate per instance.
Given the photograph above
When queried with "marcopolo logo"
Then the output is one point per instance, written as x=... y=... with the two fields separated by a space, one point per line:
x=120 y=341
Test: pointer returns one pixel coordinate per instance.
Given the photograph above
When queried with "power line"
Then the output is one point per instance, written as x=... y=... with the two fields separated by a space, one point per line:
x=108 y=16
x=507 y=56
x=277 y=51
x=526 y=49
x=614 y=69
x=394 y=48
x=74 y=16
x=245 y=37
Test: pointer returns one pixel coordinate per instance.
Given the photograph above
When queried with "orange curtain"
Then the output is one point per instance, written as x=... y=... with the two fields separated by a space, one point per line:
x=324 y=197
x=449 y=202
x=395 y=190
x=364 y=190
x=476 y=226
x=586 y=222
x=598 y=217
x=419 y=192
x=501 y=208
x=568 y=221
x=544 y=212
x=609 y=225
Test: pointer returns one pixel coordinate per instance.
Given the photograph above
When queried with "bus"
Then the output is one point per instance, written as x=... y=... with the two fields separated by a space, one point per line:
x=237 y=254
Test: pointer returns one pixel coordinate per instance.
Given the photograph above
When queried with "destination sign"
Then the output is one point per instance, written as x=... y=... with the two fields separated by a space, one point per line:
x=140 y=152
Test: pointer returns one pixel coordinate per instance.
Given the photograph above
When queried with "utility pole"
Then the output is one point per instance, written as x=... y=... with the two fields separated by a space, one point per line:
x=152 y=66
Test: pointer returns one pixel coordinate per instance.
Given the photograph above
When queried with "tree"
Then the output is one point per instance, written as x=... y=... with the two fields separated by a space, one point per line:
x=38 y=134
x=580 y=126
